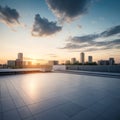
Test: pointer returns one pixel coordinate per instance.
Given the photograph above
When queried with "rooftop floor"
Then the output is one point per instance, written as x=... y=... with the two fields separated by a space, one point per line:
x=58 y=96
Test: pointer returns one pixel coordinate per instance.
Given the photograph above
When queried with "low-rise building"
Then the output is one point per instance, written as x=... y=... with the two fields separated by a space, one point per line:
x=11 y=63
x=53 y=62
x=90 y=59
x=111 y=61
x=73 y=60
x=18 y=63
x=67 y=62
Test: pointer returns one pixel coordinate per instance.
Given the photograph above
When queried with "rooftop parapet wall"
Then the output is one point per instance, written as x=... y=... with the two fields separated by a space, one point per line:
x=42 y=69
x=95 y=68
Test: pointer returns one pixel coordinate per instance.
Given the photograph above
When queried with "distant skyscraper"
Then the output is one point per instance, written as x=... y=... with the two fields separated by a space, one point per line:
x=53 y=62
x=89 y=59
x=82 y=58
x=67 y=62
x=111 y=61
x=103 y=62
x=19 y=60
x=20 y=56
x=11 y=63
x=73 y=60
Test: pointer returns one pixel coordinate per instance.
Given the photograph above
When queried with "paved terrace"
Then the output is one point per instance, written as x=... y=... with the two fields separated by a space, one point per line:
x=58 y=96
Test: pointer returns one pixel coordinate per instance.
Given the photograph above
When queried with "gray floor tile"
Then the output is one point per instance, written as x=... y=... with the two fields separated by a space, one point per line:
x=45 y=105
x=5 y=95
x=11 y=115
x=1 y=116
x=8 y=105
x=30 y=118
x=51 y=115
x=19 y=102
x=24 y=112
x=84 y=115
x=71 y=109
x=27 y=100
x=0 y=107
x=100 y=118
x=98 y=107
x=82 y=101
x=73 y=97
x=116 y=105
x=112 y=113
x=107 y=100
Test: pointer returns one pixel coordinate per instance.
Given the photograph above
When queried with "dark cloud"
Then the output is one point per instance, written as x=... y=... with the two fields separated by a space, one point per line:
x=91 y=40
x=9 y=16
x=42 y=27
x=83 y=39
x=112 y=31
x=91 y=49
x=108 y=43
x=68 y=9
x=75 y=46
x=71 y=46
x=104 y=45
x=91 y=37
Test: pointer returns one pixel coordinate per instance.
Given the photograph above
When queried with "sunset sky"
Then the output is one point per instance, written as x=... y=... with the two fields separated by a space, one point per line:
x=59 y=29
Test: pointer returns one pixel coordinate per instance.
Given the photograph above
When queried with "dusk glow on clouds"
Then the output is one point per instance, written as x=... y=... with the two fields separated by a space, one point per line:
x=86 y=41
x=43 y=27
x=9 y=16
x=59 y=29
x=68 y=10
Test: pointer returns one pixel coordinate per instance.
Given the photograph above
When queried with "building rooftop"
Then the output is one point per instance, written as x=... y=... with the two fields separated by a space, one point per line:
x=59 y=96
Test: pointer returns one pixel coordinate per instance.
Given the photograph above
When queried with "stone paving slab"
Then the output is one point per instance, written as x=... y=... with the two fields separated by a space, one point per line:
x=58 y=96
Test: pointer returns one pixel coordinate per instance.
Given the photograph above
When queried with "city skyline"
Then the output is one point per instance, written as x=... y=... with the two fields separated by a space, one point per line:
x=21 y=62
x=53 y=30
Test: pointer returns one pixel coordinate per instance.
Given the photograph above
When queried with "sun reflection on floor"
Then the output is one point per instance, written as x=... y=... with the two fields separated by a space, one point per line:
x=31 y=88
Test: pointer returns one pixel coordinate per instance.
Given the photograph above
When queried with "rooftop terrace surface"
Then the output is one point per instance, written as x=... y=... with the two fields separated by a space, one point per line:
x=58 y=96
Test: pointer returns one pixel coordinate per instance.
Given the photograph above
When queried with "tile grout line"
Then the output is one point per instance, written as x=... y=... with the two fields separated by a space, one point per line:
x=48 y=109
x=0 y=103
x=14 y=103
x=22 y=100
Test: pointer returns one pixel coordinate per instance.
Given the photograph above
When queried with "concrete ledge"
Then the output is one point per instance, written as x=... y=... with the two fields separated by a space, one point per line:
x=95 y=68
x=21 y=71
x=89 y=73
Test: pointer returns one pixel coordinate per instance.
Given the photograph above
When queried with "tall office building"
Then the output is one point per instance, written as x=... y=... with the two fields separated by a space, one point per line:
x=11 y=63
x=19 y=60
x=89 y=59
x=53 y=62
x=67 y=62
x=82 y=58
x=73 y=60
x=20 y=56
x=111 y=61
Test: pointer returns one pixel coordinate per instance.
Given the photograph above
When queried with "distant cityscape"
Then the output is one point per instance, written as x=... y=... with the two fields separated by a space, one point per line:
x=90 y=61
x=20 y=63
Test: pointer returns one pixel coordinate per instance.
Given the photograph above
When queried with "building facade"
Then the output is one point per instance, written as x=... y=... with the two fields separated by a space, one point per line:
x=67 y=62
x=20 y=56
x=82 y=58
x=73 y=60
x=90 y=59
x=11 y=63
x=53 y=62
x=111 y=61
